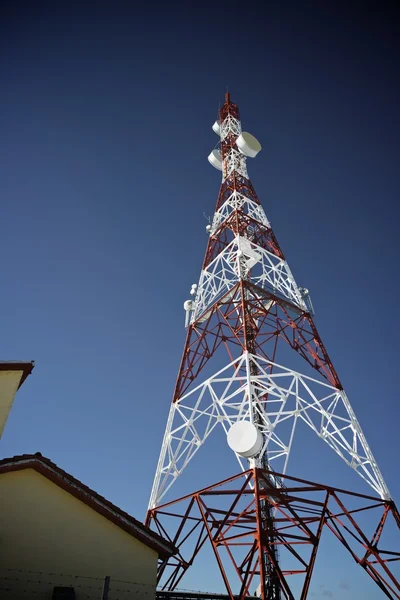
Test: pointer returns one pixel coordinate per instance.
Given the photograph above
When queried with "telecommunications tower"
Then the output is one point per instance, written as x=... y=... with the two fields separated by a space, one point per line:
x=246 y=312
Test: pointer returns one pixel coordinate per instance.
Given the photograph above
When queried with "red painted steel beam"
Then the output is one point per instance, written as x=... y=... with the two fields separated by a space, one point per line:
x=238 y=533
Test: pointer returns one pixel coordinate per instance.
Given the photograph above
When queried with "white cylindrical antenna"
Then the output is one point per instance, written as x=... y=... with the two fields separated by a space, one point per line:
x=208 y=227
x=245 y=439
x=215 y=159
x=248 y=144
x=188 y=305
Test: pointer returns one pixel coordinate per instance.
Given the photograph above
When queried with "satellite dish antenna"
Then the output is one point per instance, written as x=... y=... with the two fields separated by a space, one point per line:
x=215 y=159
x=245 y=439
x=248 y=144
x=216 y=128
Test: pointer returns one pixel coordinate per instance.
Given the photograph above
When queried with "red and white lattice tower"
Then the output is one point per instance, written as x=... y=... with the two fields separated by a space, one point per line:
x=248 y=304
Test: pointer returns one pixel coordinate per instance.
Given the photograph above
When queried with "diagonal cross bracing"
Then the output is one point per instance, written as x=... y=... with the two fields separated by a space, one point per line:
x=268 y=271
x=237 y=201
x=223 y=399
x=232 y=515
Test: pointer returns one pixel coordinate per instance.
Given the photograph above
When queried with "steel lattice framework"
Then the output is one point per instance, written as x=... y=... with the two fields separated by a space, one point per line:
x=238 y=532
x=248 y=303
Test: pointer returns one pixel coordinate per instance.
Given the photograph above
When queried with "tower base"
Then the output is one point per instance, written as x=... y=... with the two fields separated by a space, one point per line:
x=234 y=517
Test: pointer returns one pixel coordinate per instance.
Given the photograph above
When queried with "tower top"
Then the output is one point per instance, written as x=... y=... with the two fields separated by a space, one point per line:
x=228 y=108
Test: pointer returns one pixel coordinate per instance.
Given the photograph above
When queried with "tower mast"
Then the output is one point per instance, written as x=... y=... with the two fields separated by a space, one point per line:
x=247 y=307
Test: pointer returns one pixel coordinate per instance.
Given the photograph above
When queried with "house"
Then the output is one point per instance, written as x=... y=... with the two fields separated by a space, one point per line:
x=12 y=376
x=59 y=538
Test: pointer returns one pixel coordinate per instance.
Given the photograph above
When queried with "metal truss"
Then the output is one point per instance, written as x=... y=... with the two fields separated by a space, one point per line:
x=237 y=201
x=239 y=184
x=271 y=320
x=231 y=516
x=234 y=161
x=276 y=398
x=240 y=223
x=230 y=127
x=268 y=271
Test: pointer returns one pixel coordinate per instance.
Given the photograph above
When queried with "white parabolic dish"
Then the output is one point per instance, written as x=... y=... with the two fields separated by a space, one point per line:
x=216 y=128
x=215 y=159
x=245 y=439
x=248 y=144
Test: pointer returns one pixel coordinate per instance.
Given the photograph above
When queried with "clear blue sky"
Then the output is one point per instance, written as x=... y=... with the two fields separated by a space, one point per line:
x=105 y=119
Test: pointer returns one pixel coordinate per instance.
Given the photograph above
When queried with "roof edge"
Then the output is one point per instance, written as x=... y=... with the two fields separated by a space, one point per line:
x=79 y=490
x=17 y=365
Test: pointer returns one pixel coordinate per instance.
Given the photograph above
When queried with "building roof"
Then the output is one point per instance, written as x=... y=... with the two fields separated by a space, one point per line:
x=17 y=365
x=76 y=488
